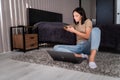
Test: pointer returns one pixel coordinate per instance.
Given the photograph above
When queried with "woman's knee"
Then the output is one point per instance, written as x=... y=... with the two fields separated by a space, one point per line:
x=96 y=30
x=95 y=38
x=96 y=34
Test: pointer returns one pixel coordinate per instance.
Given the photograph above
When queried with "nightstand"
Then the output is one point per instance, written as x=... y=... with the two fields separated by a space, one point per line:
x=23 y=39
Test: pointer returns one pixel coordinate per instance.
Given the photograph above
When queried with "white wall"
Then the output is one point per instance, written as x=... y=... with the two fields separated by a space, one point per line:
x=13 y=13
x=117 y=12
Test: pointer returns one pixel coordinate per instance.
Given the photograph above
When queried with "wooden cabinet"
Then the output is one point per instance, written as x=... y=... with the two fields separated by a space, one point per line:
x=22 y=40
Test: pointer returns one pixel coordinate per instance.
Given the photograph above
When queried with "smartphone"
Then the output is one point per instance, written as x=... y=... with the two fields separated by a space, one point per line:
x=65 y=26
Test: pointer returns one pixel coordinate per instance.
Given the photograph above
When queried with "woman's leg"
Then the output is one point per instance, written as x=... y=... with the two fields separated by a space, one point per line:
x=64 y=48
x=95 y=42
x=71 y=48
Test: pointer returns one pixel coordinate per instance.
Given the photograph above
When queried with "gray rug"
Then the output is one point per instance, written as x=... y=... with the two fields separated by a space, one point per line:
x=108 y=63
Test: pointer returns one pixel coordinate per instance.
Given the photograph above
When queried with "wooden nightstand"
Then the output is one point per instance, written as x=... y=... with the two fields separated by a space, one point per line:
x=22 y=39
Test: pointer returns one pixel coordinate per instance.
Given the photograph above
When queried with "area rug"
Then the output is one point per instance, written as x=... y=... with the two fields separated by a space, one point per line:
x=108 y=63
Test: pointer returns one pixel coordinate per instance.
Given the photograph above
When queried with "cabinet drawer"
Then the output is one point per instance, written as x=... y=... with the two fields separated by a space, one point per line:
x=31 y=41
x=31 y=37
x=31 y=45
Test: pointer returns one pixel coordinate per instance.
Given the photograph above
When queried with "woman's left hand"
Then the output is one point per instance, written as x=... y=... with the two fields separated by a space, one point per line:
x=70 y=29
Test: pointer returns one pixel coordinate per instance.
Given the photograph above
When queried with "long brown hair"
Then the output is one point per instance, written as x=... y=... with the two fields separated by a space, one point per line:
x=82 y=13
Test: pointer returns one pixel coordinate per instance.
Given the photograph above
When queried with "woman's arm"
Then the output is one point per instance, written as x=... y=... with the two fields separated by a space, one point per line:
x=85 y=35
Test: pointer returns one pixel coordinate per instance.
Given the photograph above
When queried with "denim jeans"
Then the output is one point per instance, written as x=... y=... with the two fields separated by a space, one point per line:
x=84 y=46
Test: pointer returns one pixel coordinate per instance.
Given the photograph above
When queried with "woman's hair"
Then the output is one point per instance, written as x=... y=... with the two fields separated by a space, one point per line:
x=82 y=13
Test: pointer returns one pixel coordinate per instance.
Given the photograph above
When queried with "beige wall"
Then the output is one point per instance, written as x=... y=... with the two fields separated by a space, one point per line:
x=90 y=8
x=13 y=13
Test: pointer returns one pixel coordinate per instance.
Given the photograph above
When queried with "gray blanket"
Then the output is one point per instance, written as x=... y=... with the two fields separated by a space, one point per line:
x=53 y=32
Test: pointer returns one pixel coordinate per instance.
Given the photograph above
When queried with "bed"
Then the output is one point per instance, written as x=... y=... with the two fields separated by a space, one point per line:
x=49 y=26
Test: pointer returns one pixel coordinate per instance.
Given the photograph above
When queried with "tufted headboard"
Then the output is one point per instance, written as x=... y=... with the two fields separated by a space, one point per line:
x=36 y=15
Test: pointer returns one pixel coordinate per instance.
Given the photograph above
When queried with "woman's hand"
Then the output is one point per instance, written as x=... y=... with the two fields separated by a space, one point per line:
x=70 y=29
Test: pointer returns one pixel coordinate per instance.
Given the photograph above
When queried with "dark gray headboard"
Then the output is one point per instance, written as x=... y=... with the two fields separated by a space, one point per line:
x=35 y=15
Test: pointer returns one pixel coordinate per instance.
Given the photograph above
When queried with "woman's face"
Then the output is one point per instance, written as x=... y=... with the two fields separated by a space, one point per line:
x=77 y=17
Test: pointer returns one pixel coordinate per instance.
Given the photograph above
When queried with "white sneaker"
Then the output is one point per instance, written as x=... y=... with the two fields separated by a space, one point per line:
x=84 y=56
x=92 y=65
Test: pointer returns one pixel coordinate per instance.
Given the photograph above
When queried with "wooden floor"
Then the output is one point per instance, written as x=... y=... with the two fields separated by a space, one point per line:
x=17 y=70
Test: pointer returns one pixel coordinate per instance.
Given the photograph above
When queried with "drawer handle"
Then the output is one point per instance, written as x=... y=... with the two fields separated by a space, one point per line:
x=31 y=37
x=32 y=45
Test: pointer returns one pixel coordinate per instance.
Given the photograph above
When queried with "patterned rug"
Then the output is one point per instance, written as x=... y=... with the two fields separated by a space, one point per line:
x=108 y=63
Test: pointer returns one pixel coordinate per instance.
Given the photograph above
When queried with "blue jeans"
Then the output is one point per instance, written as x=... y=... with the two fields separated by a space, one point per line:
x=84 y=46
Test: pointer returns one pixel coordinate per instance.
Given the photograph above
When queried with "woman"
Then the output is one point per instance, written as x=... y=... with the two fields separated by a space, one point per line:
x=88 y=39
